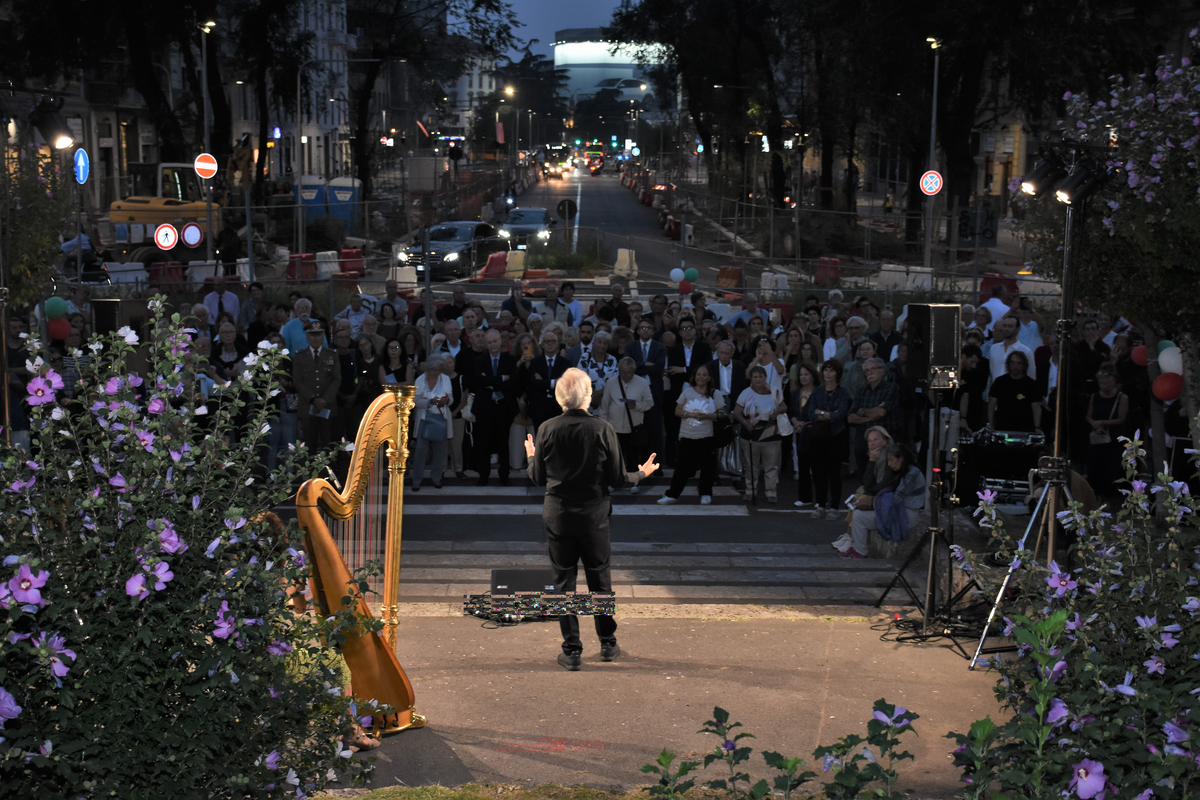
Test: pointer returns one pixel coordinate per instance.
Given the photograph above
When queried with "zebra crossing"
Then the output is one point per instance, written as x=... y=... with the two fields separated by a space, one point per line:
x=748 y=567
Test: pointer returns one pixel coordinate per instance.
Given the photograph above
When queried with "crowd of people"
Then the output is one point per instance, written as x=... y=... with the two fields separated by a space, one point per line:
x=820 y=399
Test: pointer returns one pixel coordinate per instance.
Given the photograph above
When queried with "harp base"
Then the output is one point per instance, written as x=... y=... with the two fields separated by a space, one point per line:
x=394 y=723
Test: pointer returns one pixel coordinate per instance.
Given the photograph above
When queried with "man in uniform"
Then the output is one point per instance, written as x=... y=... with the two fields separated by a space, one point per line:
x=317 y=376
x=577 y=458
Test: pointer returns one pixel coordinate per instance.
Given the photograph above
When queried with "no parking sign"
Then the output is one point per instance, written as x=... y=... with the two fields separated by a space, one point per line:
x=931 y=183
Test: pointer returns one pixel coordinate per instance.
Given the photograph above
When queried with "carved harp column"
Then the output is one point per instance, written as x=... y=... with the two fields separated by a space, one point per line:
x=397 y=456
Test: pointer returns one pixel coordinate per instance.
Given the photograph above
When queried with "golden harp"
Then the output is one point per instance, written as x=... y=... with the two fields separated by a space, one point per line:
x=342 y=532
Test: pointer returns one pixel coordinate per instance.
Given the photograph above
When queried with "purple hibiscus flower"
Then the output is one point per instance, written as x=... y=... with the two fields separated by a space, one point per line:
x=272 y=760
x=156 y=406
x=169 y=541
x=162 y=575
x=146 y=439
x=225 y=622
x=1169 y=640
x=40 y=392
x=112 y=386
x=1057 y=712
x=1175 y=734
x=1061 y=583
x=1155 y=664
x=278 y=648
x=136 y=586
x=25 y=586
x=8 y=707
x=1088 y=780
x=896 y=720
x=55 y=652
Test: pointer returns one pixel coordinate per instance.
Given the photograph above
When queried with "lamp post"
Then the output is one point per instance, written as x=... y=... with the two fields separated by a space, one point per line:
x=205 y=29
x=935 y=44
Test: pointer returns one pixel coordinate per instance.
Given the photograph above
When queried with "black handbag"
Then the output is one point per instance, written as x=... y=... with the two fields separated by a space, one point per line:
x=640 y=436
x=723 y=431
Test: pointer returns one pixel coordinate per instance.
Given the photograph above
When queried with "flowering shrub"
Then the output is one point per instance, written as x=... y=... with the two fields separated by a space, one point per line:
x=1103 y=688
x=150 y=648
x=854 y=766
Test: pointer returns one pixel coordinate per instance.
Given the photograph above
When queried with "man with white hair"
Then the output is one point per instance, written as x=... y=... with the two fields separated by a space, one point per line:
x=749 y=309
x=293 y=331
x=577 y=458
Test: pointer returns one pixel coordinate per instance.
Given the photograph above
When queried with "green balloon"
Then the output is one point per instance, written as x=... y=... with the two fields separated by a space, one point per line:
x=56 y=307
x=691 y=274
x=1164 y=344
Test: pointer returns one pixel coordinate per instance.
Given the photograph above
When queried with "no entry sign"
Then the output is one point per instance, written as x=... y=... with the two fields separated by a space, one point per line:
x=931 y=182
x=166 y=237
x=206 y=166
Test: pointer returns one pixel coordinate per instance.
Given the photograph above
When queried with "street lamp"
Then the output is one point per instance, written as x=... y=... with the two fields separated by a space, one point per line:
x=206 y=29
x=935 y=44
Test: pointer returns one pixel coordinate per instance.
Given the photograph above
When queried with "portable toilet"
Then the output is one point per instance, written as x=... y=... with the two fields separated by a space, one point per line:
x=343 y=196
x=311 y=196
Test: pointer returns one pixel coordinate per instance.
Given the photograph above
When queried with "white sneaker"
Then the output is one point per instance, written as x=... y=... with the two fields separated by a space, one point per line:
x=666 y=500
x=818 y=513
x=634 y=490
x=803 y=506
x=706 y=499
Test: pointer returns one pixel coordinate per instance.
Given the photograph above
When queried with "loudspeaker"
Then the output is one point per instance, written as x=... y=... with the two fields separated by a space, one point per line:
x=934 y=339
x=510 y=581
x=106 y=315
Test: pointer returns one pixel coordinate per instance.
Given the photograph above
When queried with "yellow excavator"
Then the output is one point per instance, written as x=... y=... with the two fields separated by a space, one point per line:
x=162 y=192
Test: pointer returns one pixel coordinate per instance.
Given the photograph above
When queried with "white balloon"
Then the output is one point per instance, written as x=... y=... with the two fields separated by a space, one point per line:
x=677 y=274
x=1171 y=360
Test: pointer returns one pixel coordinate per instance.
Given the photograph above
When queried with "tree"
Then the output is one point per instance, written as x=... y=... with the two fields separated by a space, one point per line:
x=270 y=46
x=1137 y=242
x=428 y=35
x=44 y=42
x=34 y=202
x=537 y=86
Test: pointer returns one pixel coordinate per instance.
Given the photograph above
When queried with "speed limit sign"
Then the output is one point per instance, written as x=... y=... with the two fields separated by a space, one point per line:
x=166 y=237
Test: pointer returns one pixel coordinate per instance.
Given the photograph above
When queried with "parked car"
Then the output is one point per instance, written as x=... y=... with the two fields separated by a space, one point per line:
x=456 y=250
x=527 y=226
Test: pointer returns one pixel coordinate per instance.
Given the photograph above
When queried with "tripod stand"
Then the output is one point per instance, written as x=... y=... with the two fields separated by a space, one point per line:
x=1053 y=470
x=935 y=538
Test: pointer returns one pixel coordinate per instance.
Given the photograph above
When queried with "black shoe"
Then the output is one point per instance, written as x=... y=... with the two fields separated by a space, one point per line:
x=572 y=662
x=462 y=476
x=416 y=488
x=609 y=652
x=437 y=486
x=481 y=482
x=504 y=481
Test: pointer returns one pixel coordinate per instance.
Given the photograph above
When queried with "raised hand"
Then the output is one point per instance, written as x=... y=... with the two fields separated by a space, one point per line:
x=649 y=466
x=530 y=447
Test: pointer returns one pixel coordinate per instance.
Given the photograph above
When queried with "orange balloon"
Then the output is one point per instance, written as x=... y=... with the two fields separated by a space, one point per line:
x=1168 y=386
x=58 y=328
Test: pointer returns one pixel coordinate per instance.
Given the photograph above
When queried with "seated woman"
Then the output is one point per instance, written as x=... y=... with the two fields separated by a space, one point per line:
x=895 y=507
x=1015 y=403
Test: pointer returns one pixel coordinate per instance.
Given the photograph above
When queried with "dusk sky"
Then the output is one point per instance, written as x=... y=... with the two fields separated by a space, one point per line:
x=541 y=18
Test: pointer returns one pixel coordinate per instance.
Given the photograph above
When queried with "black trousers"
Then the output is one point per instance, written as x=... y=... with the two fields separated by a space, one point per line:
x=577 y=533
x=804 y=472
x=671 y=424
x=826 y=458
x=491 y=436
x=631 y=451
x=695 y=454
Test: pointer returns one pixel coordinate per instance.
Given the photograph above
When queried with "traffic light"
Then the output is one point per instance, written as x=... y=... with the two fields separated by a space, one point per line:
x=578 y=142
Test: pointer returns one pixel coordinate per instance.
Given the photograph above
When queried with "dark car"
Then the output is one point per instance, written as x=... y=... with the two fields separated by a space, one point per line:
x=527 y=226
x=456 y=250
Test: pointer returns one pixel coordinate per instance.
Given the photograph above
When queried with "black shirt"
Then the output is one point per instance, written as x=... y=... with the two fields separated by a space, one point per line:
x=1014 y=403
x=578 y=457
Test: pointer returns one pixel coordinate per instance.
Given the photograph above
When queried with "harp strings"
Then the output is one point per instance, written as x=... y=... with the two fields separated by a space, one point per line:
x=361 y=538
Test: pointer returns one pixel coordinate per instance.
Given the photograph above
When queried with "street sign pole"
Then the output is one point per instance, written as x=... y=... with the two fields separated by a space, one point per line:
x=82 y=168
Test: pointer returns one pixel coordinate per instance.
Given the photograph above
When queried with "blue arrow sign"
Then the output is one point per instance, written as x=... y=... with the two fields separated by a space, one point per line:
x=83 y=166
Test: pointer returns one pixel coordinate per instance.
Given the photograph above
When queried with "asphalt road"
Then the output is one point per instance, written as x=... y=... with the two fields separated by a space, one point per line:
x=612 y=210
